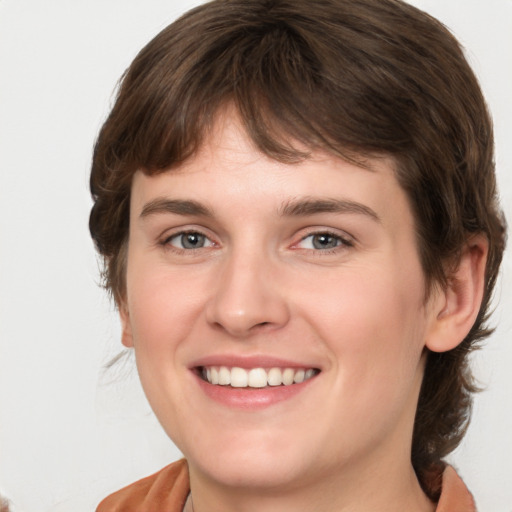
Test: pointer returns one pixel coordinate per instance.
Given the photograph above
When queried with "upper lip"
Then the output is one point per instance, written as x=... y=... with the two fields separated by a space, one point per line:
x=247 y=362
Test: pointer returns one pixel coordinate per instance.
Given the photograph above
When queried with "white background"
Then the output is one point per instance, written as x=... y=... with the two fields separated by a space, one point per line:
x=70 y=432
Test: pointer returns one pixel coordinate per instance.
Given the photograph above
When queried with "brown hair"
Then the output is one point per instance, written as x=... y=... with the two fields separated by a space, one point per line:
x=353 y=77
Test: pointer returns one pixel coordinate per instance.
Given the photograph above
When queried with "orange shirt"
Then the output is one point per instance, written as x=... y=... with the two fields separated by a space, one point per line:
x=168 y=489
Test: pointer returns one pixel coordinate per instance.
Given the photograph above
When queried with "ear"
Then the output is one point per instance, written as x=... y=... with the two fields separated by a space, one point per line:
x=456 y=307
x=126 y=326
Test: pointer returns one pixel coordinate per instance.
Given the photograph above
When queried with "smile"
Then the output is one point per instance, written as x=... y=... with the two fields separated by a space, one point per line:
x=237 y=377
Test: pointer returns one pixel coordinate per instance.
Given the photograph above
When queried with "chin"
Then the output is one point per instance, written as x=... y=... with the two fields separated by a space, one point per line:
x=252 y=468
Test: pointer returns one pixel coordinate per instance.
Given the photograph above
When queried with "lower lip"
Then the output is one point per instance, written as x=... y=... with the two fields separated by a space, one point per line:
x=251 y=398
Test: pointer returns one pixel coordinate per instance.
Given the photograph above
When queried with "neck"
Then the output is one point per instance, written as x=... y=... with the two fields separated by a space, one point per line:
x=381 y=489
x=189 y=506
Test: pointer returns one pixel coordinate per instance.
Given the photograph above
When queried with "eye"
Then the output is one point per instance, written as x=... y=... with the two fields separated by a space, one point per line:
x=323 y=241
x=189 y=240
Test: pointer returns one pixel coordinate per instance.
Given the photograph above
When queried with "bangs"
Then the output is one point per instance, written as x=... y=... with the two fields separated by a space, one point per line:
x=293 y=90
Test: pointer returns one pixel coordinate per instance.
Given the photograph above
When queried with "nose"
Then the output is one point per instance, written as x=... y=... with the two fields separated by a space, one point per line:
x=248 y=296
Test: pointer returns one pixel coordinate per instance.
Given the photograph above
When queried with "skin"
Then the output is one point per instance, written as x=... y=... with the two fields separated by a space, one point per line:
x=259 y=286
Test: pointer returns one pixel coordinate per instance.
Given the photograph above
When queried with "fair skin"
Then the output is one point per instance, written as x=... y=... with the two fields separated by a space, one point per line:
x=237 y=260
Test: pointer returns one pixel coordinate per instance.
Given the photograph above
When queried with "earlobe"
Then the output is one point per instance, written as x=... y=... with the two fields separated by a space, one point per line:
x=126 y=328
x=457 y=306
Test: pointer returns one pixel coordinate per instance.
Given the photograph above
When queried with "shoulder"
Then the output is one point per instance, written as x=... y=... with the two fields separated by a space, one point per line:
x=455 y=496
x=165 y=490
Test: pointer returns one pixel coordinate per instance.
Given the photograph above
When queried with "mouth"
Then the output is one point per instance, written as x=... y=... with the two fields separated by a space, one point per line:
x=256 y=378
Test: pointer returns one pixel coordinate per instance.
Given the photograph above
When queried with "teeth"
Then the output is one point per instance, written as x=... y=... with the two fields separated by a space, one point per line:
x=256 y=377
x=239 y=378
x=309 y=373
x=224 y=376
x=288 y=375
x=275 y=377
x=299 y=376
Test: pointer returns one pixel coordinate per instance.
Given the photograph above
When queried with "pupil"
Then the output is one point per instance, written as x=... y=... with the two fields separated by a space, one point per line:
x=192 y=240
x=324 y=242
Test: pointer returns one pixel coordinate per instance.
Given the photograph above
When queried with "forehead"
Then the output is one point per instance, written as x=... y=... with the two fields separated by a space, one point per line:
x=228 y=165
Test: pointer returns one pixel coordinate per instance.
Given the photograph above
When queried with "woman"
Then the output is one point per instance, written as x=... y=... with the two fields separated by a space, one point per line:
x=296 y=206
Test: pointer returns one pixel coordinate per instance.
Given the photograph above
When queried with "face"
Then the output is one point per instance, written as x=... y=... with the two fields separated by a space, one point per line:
x=277 y=312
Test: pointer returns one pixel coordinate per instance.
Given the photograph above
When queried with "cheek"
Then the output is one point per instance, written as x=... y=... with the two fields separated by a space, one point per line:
x=373 y=322
x=376 y=342
x=164 y=309
x=163 y=306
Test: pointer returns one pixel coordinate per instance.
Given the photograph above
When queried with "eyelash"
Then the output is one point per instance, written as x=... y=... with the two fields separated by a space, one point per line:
x=166 y=242
x=342 y=242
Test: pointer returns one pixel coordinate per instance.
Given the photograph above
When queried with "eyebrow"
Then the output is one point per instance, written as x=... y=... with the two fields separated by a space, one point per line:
x=305 y=207
x=295 y=208
x=176 y=206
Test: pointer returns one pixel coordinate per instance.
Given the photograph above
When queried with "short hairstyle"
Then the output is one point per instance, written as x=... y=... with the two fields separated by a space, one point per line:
x=356 y=78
